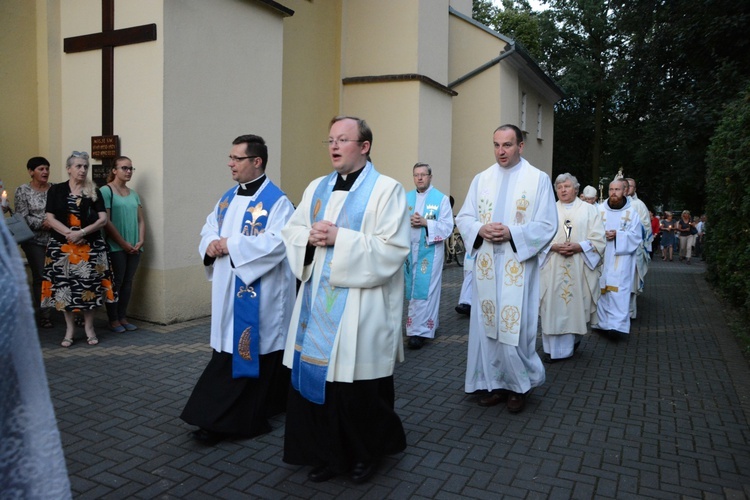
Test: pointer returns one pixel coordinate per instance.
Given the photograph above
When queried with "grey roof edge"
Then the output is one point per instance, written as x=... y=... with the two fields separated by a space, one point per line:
x=278 y=7
x=522 y=60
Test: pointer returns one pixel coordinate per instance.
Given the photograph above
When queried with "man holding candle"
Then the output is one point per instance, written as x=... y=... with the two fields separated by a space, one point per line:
x=252 y=295
x=569 y=273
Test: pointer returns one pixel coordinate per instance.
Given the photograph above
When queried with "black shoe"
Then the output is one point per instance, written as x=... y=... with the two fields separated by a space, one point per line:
x=207 y=437
x=320 y=474
x=464 y=309
x=549 y=359
x=577 y=344
x=362 y=472
x=415 y=343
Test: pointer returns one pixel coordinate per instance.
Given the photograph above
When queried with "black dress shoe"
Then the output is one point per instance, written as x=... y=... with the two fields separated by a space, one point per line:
x=207 y=437
x=516 y=402
x=362 y=472
x=320 y=474
x=415 y=343
x=549 y=359
x=464 y=309
x=495 y=398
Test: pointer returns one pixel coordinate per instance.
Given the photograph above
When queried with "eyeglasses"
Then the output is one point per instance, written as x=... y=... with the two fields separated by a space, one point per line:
x=238 y=159
x=80 y=154
x=419 y=176
x=339 y=142
x=127 y=169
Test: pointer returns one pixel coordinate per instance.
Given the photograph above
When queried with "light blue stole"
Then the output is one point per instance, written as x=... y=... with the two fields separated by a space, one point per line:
x=246 y=334
x=319 y=322
x=417 y=287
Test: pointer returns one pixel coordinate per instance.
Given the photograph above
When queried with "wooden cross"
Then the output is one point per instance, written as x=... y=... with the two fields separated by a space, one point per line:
x=106 y=41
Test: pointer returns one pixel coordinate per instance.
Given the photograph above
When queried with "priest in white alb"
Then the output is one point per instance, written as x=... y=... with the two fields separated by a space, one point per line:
x=252 y=296
x=624 y=234
x=508 y=217
x=431 y=221
x=569 y=272
x=346 y=242
x=642 y=255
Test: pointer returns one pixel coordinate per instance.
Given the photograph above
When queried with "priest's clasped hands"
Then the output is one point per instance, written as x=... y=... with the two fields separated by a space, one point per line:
x=323 y=234
x=567 y=249
x=495 y=232
x=217 y=248
x=417 y=220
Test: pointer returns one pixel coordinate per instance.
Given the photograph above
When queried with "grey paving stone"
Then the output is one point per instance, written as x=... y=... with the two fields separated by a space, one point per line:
x=661 y=415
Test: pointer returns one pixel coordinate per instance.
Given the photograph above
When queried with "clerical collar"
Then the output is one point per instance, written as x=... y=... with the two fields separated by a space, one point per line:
x=346 y=184
x=250 y=188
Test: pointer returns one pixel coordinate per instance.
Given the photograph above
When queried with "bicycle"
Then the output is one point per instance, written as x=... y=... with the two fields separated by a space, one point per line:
x=455 y=250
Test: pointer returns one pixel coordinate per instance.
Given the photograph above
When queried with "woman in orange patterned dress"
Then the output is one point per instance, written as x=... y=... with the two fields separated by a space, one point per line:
x=77 y=273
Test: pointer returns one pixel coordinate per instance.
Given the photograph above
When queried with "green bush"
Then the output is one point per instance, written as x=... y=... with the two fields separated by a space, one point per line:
x=728 y=205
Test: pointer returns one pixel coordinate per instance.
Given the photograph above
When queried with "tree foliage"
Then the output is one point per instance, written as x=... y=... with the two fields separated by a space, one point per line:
x=645 y=83
x=728 y=207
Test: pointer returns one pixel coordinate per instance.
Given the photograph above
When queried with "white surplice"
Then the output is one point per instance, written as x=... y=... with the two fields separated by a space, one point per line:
x=570 y=285
x=252 y=257
x=466 y=297
x=642 y=258
x=616 y=281
x=492 y=364
x=422 y=318
x=370 y=263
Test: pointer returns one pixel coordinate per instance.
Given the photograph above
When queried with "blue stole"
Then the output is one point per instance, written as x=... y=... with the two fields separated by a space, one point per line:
x=319 y=322
x=246 y=340
x=417 y=287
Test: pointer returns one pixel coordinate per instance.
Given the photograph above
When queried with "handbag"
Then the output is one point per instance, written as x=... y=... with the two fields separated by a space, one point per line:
x=18 y=227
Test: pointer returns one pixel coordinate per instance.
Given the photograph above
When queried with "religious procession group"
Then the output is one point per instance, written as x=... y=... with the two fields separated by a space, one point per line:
x=358 y=245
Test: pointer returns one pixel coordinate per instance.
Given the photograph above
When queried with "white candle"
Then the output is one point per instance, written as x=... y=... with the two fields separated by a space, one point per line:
x=5 y=198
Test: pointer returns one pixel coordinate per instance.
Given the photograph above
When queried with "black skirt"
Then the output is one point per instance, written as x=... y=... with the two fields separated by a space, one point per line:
x=357 y=423
x=238 y=407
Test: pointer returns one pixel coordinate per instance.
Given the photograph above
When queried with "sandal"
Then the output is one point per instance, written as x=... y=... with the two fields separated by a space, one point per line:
x=45 y=323
x=66 y=342
x=92 y=340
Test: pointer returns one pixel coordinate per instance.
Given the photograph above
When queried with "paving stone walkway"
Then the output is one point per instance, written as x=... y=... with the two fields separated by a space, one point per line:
x=662 y=415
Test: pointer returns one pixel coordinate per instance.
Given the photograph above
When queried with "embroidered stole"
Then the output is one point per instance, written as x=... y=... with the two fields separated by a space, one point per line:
x=319 y=321
x=417 y=287
x=503 y=325
x=246 y=333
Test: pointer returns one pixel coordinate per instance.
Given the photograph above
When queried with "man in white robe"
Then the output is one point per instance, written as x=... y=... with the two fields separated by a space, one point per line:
x=245 y=261
x=624 y=234
x=508 y=217
x=642 y=256
x=347 y=243
x=431 y=220
x=569 y=273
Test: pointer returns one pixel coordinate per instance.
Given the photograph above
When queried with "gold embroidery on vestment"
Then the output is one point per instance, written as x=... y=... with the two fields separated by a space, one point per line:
x=511 y=317
x=485 y=266
x=424 y=265
x=243 y=346
x=514 y=273
x=488 y=312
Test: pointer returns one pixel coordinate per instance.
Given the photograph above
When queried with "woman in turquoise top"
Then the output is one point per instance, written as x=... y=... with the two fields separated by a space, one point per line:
x=126 y=231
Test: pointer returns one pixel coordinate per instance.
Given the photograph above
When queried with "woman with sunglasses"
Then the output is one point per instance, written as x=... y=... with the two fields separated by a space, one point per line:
x=126 y=231
x=77 y=275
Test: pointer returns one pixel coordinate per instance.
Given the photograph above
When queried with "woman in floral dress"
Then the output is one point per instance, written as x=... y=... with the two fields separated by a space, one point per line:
x=77 y=274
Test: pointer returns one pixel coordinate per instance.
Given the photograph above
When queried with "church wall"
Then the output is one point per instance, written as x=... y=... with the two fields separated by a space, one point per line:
x=217 y=86
x=380 y=38
x=435 y=132
x=392 y=111
x=432 y=45
x=311 y=91
x=18 y=88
